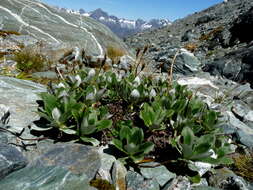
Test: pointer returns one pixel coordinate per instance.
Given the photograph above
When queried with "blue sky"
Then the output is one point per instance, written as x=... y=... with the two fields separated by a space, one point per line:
x=145 y=9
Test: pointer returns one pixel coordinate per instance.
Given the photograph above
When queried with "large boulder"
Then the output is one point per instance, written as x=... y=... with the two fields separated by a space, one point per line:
x=236 y=65
x=57 y=26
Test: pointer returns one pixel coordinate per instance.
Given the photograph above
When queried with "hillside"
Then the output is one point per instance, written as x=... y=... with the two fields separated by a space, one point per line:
x=219 y=37
x=57 y=27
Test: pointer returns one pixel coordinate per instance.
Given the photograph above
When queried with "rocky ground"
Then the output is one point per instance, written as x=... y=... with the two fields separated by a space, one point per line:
x=220 y=38
x=212 y=59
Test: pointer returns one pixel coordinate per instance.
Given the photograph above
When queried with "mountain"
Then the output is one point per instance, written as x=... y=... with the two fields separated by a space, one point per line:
x=220 y=37
x=120 y=26
x=55 y=26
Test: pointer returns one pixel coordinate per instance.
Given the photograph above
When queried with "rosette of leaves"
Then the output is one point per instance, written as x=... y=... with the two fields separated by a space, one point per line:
x=131 y=142
x=90 y=122
x=208 y=148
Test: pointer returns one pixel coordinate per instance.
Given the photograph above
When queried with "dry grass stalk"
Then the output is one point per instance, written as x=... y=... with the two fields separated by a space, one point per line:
x=170 y=72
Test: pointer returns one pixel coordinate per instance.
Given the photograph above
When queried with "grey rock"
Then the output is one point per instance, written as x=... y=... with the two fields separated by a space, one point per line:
x=241 y=29
x=240 y=109
x=46 y=74
x=3 y=138
x=45 y=178
x=119 y=173
x=107 y=162
x=78 y=159
x=125 y=63
x=244 y=134
x=179 y=183
x=20 y=97
x=89 y=33
x=161 y=174
x=137 y=182
x=226 y=179
x=10 y=160
x=204 y=188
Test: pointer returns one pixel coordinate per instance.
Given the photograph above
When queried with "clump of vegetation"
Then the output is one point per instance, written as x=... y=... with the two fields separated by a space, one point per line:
x=212 y=34
x=101 y=184
x=244 y=166
x=114 y=53
x=4 y=33
x=29 y=61
x=139 y=116
x=191 y=47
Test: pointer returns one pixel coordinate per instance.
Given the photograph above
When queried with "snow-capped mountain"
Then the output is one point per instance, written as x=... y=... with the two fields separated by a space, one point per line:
x=120 y=26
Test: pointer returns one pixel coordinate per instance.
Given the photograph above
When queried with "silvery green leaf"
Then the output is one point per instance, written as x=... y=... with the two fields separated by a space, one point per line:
x=56 y=114
x=68 y=131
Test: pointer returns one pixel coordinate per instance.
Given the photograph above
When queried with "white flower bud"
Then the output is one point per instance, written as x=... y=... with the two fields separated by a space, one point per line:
x=137 y=81
x=61 y=85
x=78 y=79
x=91 y=73
x=152 y=93
x=135 y=93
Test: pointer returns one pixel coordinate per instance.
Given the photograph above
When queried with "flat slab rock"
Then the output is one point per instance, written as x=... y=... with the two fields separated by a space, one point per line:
x=10 y=160
x=64 y=166
x=20 y=97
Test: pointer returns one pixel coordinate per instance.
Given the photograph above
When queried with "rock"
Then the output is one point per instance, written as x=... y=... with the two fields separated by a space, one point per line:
x=3 y=138
x=242 y=27
x=188 y=60
x=46 y=75
x=185 y=63
x=243 y=133
x=160 y=173
x=20 y=97
x=188 y=36
x=78 y=159
x=125 y=63
x=236 y=65
x=10 y=160
x=203 y=19
x=204 y=188
x=227 y=180
x=62 y=29
x=107 y=162
x=45 y=178
x=137 y=182
x=119 y=173
x=179 y=183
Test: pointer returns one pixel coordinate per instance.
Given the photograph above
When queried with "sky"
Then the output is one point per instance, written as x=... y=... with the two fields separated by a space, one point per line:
x=144 y=9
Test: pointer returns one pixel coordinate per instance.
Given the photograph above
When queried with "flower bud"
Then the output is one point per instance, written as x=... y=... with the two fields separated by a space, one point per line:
x=135 y=93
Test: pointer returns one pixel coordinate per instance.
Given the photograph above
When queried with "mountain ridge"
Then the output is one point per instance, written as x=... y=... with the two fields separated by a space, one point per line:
x=121 y=26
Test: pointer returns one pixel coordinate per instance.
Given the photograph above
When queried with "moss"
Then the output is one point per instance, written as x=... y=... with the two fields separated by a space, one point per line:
x=101 y=184
x=244 y=166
